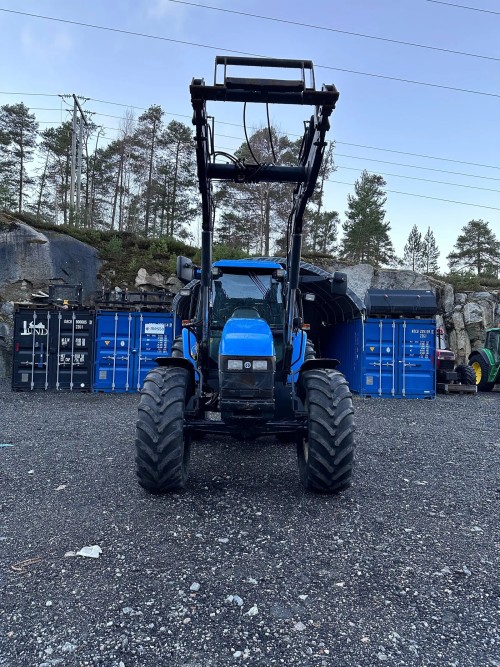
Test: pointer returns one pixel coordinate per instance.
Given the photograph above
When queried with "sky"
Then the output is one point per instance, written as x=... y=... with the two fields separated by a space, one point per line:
x=399 y=113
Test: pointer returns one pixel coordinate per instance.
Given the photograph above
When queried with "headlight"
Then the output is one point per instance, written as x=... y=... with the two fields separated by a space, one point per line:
x=260 y=365
x=234 y=364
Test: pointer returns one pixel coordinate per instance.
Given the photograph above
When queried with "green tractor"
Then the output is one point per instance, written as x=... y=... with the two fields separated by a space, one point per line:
x=486 y=361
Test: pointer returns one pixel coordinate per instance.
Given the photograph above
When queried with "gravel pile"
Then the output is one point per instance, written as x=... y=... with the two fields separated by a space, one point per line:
x=244 y=568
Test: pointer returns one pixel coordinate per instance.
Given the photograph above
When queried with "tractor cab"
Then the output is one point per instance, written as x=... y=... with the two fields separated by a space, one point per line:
x=493 y=343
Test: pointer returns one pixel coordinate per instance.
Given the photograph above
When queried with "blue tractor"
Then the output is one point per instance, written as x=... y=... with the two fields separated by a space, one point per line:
x=244 y=365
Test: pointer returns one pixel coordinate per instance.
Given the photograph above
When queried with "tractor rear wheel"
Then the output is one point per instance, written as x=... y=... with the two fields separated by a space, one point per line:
x=482 y=370
x=466 y=374
x=326 y=453
x=162 y=449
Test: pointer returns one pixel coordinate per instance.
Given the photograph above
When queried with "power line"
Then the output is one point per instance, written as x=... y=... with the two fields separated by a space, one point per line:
x=354 y=157
x=246 y=53
x=3 y=92
x=473 y=9
x=408 y=194
x=412 y=194
x=343 y=143
x=412 y=166
x=376 y=148
x=425 y=180
x=336 y=30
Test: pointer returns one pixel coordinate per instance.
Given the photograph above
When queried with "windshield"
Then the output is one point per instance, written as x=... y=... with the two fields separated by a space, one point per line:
x=251 y=290
x=494 y=344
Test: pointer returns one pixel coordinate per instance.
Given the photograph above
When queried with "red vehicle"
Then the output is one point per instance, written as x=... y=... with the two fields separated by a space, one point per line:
x=446 y=371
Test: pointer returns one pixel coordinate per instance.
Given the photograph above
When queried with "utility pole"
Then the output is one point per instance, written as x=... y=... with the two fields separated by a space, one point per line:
x=73 y=161
x=80 y=150
x=79 y=167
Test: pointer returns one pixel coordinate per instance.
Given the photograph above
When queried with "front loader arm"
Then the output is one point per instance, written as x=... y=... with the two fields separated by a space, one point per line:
x=260 y=90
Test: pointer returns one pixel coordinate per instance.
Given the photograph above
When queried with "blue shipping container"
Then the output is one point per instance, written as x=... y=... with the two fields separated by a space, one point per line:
x=126 y=345
x=390 y=358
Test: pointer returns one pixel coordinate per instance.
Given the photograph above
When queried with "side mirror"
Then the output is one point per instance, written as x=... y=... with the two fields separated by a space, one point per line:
x=339 y=283
x=185 y=269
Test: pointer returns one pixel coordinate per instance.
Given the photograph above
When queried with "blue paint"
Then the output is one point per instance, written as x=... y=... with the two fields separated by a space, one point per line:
x=247 y=337
x=247 y=264
x=388 y=358
x=6 y=445
x=126 y=345
x=299 y=351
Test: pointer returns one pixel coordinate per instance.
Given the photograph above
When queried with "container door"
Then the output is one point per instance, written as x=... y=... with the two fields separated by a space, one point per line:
x=72 y=339
x=114 y=361
x=31 y=358
x=417 y=342
x=380 y=350
x=152 y=338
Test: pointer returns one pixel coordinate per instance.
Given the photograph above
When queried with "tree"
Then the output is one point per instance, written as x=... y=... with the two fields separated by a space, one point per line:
x=366 y=234
x=476 y=250
x=413 y=251
x=175 y=188
x=320 y=228
x=53 y=182
x=18 y=133
x=430 y=253
x=322 y=234
x=146 y=140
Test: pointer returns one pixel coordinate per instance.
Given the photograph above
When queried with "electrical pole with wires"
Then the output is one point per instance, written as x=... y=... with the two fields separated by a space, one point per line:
x=76 y=157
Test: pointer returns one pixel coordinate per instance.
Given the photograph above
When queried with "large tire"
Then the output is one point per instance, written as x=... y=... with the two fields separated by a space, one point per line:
x=482 y=371
x=466 y=374
x=178 y=347
x=326 y=454
x=310 y=351
x=162 y=450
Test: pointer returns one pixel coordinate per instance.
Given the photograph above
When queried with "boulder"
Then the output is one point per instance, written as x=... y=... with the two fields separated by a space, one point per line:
x=149 y=282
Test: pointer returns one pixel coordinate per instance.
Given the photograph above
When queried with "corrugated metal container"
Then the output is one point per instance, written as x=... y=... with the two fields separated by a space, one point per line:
x=53 y=349
x=126 y=345
x=390 y=358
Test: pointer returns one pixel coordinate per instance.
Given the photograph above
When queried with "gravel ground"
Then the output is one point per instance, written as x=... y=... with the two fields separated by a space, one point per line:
x=244 y=567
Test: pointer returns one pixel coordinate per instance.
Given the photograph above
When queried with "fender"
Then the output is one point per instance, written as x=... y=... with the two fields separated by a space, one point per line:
x=178 y=362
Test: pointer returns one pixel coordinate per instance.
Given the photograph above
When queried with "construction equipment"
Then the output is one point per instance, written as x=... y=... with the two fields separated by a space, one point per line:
x=486 y=361
x=244 y=351
x=451 y=378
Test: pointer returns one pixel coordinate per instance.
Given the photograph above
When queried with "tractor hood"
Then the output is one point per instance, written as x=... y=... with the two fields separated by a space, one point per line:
x=243 y=336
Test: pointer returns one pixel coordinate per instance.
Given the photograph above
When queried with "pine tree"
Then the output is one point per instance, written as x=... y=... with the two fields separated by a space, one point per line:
x=413 y=251
x=366 y=234
x=430 y=253
x=476 y=250
x=175 y=188
x=320 y=226
x=53 y=192
x=146 y=140
x=322 y=234
x=18 y=134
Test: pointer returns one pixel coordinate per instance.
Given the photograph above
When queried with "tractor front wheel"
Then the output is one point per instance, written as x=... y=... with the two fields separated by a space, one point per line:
x=326 y=453
x=162 y=449
x=482 y=371
x=466 y=374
